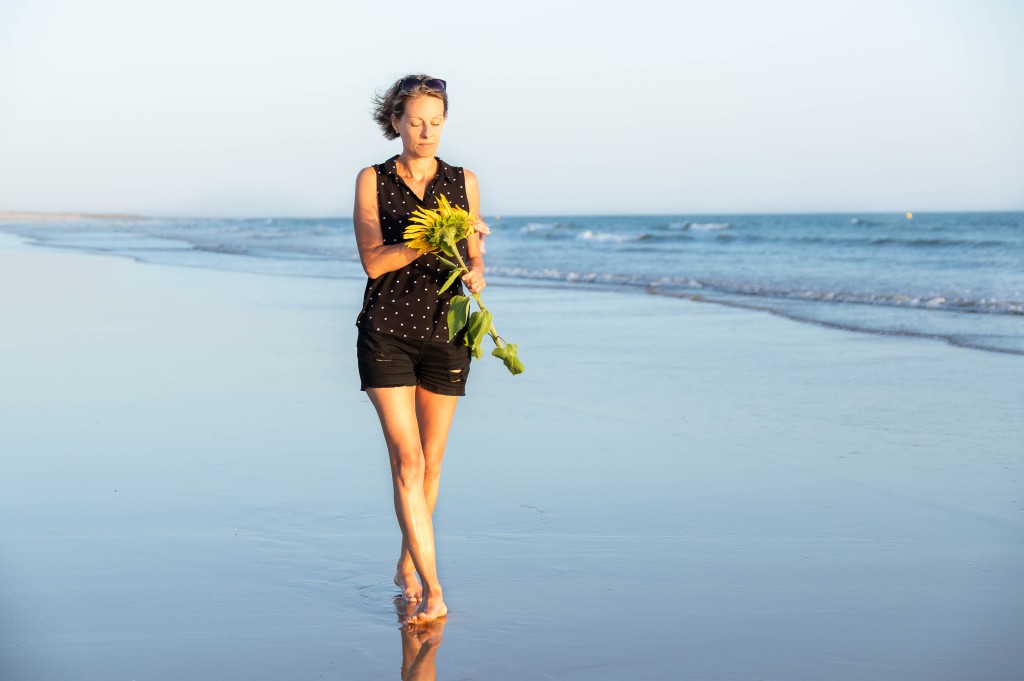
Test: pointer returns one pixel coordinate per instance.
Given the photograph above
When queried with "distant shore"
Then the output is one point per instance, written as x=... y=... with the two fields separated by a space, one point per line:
x=38 y=216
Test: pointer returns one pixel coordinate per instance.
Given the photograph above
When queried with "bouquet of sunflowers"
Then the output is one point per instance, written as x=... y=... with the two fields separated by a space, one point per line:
x=437 y=231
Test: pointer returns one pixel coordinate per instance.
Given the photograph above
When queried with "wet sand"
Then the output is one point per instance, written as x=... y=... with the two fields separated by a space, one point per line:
x=194 y=487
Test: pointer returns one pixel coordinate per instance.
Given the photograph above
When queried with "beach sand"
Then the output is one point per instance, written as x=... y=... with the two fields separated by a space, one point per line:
x=194 y=488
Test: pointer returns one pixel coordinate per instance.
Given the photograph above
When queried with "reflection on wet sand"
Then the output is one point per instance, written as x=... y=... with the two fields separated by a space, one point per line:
x=420 y=643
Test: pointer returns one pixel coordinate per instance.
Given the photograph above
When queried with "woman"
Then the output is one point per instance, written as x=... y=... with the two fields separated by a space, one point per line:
x=412 y=373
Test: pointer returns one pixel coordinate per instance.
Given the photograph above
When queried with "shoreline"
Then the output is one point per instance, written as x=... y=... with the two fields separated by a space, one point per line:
x=948 y=339
x=657 y=290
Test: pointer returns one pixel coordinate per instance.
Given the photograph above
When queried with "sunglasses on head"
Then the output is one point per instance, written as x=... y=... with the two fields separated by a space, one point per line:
x=410 y=84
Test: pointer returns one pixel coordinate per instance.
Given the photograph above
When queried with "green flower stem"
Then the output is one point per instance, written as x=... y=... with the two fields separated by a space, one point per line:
x=498 y=340
x=455 y=251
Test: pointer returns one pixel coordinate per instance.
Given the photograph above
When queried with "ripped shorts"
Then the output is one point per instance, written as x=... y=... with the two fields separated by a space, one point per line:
x=387 y=361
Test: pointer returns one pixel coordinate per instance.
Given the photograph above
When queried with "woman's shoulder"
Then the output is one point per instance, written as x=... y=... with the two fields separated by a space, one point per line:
x=367 y=177
x=382 y=168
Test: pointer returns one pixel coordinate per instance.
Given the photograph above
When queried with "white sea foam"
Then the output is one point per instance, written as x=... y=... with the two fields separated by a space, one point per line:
x=537 y=227
x=590 y=235
x=700 y=226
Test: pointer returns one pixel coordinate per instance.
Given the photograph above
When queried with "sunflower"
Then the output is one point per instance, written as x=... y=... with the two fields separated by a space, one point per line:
x=438 y=230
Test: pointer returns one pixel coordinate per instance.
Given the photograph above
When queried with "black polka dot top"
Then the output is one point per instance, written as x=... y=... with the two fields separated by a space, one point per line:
x=405 y=302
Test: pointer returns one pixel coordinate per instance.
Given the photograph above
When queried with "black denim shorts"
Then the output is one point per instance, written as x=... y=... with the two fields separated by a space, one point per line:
x=387 y=361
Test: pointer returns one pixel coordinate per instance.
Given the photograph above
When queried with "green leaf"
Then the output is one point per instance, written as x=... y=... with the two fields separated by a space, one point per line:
x=451 y=279
x=479 y=325
x=446 y=261
x=458 y=314
x=510 y=356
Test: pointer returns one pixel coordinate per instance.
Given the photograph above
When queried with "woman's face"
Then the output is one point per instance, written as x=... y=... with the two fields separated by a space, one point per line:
x=421 y=125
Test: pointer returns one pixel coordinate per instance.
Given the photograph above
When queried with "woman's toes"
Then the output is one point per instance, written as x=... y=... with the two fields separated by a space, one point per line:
x=410 y=586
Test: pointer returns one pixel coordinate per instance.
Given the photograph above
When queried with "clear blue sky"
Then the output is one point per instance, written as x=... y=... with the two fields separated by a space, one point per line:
x=235 y=107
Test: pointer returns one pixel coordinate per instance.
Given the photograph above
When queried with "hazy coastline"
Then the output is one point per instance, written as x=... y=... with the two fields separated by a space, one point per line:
x=43 y=216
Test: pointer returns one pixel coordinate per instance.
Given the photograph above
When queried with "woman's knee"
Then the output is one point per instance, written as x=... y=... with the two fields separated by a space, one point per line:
x=431 y=476
x=408 y=466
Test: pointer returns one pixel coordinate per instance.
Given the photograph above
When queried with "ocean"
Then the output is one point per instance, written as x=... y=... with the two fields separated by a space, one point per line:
x=953 y=277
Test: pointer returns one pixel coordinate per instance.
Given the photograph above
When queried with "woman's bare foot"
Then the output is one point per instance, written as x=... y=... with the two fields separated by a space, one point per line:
x=410 y=586
x=431 y=608
x=420 y=643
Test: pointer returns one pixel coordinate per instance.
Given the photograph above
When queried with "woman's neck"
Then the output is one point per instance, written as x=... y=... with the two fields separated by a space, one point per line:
x=418 y=169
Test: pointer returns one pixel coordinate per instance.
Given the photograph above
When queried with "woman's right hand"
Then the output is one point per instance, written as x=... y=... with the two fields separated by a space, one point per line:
x=474 y=279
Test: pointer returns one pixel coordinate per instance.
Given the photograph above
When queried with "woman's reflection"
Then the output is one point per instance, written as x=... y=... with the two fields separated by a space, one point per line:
x=419 y=643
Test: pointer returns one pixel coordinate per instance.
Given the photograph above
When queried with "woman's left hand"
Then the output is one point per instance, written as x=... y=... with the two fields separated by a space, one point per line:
x=480 y=226
x=482 y=230
x=474 y=280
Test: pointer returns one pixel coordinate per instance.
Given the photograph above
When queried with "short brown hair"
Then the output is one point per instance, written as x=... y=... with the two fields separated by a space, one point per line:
x=392 y=102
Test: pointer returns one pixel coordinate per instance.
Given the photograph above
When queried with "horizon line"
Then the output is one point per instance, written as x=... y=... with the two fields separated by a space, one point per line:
x=37 y=215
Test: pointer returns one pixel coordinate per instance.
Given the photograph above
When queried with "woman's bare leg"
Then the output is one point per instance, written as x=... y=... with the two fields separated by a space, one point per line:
x=401 y=411
x=434 y=415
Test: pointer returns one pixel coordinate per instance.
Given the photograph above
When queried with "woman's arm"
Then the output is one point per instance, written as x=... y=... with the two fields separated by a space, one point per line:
x=377 y=258
x=474 y=280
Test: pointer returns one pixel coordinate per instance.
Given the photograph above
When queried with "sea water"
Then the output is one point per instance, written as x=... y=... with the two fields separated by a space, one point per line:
x=955 y=277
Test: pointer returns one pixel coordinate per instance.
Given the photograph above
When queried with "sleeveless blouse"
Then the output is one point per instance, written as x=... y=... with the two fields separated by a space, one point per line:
x=405 y=302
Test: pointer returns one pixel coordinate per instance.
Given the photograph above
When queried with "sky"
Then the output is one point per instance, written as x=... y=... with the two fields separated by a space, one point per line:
x=253 y=108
